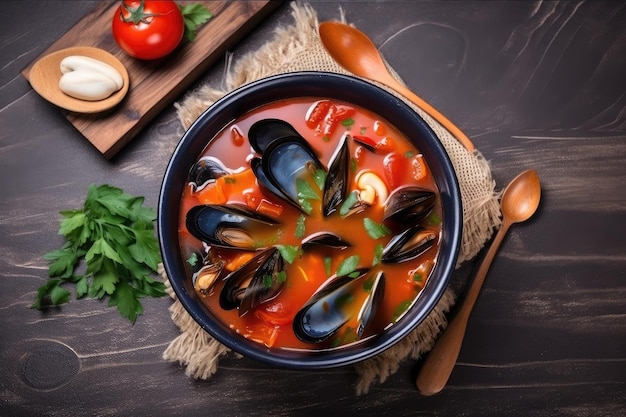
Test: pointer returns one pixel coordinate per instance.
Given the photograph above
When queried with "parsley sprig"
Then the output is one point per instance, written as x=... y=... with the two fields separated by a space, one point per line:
x=194 y=16
x=111 y=240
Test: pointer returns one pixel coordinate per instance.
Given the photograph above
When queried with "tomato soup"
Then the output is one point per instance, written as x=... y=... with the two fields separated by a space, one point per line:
x=354 y=242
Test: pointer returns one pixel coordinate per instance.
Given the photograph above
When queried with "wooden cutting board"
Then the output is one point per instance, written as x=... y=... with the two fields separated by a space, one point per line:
x=154 y=84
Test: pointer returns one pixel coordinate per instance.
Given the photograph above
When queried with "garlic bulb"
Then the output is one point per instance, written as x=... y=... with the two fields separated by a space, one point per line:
x=88 y=79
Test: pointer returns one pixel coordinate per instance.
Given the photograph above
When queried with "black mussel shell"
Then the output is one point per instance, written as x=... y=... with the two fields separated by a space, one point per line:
x=336 y=184
x=206 y=170
x=264 y=132
x=263 y=181
x=330 y=309
x=409 y=244
x=257 y=281
x=325 y=239
x=409 y=205
x=285 y=162
x=229 y=225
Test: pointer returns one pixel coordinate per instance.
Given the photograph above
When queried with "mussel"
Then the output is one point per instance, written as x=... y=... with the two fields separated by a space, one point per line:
x=257 y=281
x=409 y=205
x=336 y=183
x=409 y=244
x=206 y=170
x=206 y=277
x=289 y=166
x=266 y=131
x=345 y=305
x=263 y=181
x=325 y=239
x=287 y=161
x=230 y=225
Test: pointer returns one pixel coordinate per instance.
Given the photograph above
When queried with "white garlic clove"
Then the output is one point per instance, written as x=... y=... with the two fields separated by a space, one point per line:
x=79 y=62
x=87 y=85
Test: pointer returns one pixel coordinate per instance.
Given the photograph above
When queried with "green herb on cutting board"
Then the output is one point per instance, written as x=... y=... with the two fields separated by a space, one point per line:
x=111 y=242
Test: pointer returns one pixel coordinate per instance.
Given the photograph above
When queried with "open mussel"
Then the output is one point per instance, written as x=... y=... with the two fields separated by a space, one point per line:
x=409 y=244
x=206 y=277
x=257 y=281
x=343 y=307
x=288 y=164
x=230 y=225
x=409 y=205
x=208 y=169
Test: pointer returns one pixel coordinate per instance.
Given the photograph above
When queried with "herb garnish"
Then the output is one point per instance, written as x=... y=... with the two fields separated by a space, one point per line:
x=194 y=15
x=193 y=259
x=114 y=235
x=378 y=254
x=400 y=309
x=327 y=264
x=269 y=279
x=375 y=230
x=348 y=265
x=306 y=193
x=319 y=176
x=348 y=122
x=288 y=252
x=350 y=200
x=300 y=226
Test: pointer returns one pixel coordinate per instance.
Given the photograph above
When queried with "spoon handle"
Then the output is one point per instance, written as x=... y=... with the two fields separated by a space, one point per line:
x=439 y=363
x=433 y=112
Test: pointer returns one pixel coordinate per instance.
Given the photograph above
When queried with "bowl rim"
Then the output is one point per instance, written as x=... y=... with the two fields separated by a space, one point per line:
x=323 y=85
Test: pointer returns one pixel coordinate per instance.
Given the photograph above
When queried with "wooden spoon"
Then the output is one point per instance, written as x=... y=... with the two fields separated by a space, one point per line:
x=356 y=53
x=519 y=202
x=45 y=74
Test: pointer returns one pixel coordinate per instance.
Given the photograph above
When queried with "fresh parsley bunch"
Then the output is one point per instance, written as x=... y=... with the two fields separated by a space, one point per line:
x=111 y=240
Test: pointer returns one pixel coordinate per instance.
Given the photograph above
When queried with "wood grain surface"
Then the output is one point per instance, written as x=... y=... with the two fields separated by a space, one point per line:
x=534 y=84
x=154 y=84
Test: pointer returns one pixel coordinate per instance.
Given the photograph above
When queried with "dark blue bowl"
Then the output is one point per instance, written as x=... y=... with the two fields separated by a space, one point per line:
x=307 y=84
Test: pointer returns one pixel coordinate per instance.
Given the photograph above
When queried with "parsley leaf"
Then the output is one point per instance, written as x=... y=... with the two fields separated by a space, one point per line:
x=375 y=230
x=289 y=252
x=350 y=201
x=194 y=15
x=378 y=254
x=348 y=122
x=305 y=191
x=300 y=226
x=319 y=176
x=113 y=236
x=348 y=265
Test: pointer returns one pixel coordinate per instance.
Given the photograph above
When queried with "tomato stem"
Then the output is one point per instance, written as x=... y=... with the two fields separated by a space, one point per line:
x=136 y=14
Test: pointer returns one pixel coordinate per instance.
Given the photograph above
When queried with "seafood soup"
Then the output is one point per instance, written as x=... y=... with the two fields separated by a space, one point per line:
x=309 y=223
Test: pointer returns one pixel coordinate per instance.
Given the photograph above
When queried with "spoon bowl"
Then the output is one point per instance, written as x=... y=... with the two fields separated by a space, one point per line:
x=355 y=52
x=519 y=202
x=45 y=75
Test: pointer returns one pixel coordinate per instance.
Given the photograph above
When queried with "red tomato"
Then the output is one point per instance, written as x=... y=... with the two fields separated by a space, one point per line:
x=148 y=29
x=395 y=167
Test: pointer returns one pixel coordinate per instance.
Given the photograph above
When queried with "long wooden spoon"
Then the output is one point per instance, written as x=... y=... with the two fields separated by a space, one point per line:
x=519 y=202
x=356 y=53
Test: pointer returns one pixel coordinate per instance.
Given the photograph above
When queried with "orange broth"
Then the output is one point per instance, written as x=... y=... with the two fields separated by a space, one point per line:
x=271 y=322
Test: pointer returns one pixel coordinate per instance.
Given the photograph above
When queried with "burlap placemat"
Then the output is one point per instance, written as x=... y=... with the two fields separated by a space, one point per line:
x=297 y=48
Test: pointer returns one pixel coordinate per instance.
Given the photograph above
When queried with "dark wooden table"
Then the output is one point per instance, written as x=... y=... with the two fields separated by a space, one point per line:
x=536 y=85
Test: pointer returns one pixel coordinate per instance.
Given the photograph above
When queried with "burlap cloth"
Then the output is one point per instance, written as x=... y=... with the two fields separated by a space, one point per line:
x=298 y=48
